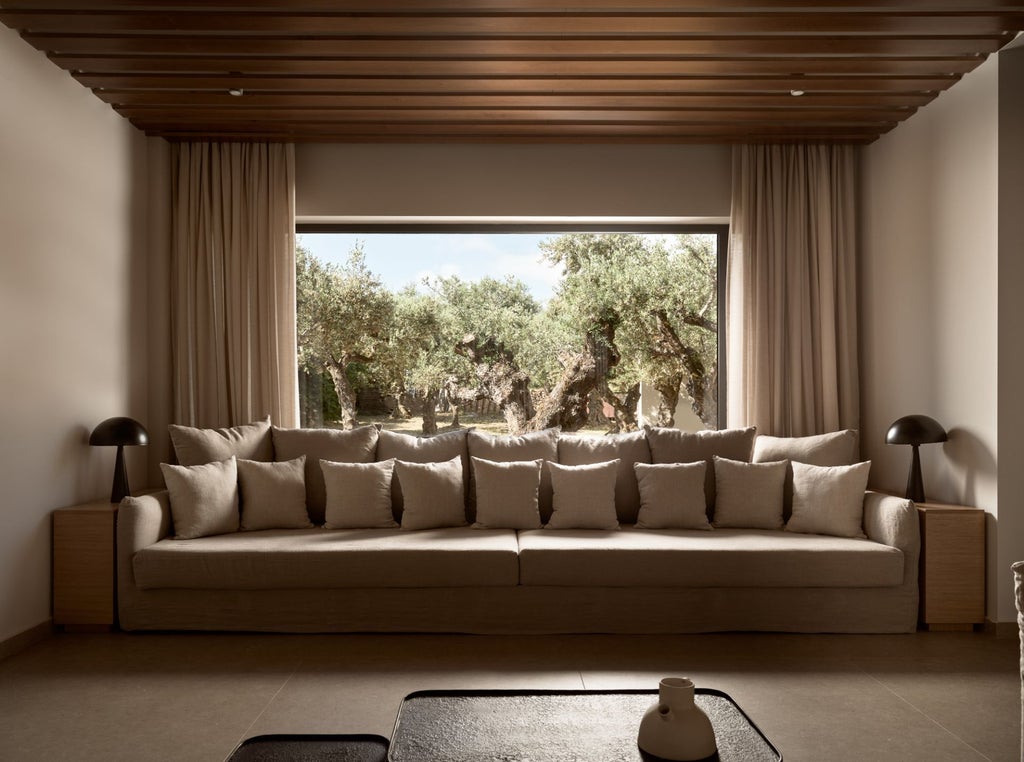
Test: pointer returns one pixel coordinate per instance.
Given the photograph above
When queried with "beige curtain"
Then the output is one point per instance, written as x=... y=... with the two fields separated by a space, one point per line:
x=233 y=283
x=791 y=290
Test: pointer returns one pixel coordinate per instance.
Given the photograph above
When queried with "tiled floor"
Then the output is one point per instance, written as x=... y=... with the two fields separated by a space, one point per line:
x=928 y=696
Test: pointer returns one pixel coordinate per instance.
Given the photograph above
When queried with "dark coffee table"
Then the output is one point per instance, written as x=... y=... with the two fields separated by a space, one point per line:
x=554 y=726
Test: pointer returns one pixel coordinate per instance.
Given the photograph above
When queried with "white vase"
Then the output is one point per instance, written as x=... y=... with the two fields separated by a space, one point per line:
x=675 y=728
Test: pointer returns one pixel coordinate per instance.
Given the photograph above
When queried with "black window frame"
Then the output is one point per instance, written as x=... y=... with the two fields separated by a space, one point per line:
x=556 y=227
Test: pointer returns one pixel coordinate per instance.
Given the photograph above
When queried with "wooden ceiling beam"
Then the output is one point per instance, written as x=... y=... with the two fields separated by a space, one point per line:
x=115 y=71
x=494 y=26
x=610 y=49
x=506 y=6
x=696 y=85
x=589 y=100
x=502 y=117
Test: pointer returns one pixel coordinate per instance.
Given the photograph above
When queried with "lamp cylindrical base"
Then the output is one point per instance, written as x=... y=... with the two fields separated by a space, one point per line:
x=120 y=488
x=915 y=482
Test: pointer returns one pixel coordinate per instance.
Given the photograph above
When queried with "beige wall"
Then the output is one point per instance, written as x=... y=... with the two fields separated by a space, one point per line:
x=512 y=180
x=1010 y=544
x=931 y=320
x=72 y=309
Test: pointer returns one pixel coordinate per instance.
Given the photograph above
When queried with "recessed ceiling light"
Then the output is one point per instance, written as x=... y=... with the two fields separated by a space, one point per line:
x=796 y=93
x=236 y=91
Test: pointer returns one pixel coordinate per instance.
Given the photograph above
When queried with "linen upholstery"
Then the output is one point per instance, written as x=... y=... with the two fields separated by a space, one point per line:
x=675 y=446
x=358 y=445
x=250 y=441
x=506 y=494
x=536 y=445
x=204 y=498
x=692 y=558
x=434 y=494
x=829 y=499
x=671 y=496
x=144 y=520
x=749 y=494
x=628 y=448
x=320 y=559
x=584 y=496
x=273 y=495
x=435 y=449
x=837 y=448
x=358 y=495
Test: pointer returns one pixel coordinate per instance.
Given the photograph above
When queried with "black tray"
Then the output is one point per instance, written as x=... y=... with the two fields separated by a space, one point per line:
x=554 y=726
x=309 y=747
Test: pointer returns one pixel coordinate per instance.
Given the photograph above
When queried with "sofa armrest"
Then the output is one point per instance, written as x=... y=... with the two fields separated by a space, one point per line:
x=893 y=521
x=141 y=522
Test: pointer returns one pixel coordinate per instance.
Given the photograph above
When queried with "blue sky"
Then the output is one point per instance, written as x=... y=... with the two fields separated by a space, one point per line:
x=403 y=258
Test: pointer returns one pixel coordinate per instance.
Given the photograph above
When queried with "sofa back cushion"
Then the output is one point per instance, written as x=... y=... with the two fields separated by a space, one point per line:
x=537 y=445
x=628 y=449
x=435 y=449
x=358 y=445
x=194 y=447
x=675 y=446
x=837 y=448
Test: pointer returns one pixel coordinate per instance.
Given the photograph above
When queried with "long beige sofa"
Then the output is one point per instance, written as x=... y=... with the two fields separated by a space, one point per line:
x=463 y=579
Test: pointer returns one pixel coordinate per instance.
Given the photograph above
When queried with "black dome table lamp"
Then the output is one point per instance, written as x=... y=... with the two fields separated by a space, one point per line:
x=119 y=432
x=915 y=430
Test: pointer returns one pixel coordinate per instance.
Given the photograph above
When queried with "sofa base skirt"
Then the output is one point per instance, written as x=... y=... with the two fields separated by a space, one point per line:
x=525 y=610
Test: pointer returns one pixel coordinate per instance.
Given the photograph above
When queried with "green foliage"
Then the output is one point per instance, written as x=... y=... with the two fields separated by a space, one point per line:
x=343 y=313
x=648 y=307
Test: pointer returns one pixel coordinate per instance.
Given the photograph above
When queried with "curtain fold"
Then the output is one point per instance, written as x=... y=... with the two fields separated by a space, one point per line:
x=233 y=283
x=791 y=292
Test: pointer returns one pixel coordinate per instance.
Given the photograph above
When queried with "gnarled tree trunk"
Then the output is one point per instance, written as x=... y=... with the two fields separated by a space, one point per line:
x=500 y=378
x=346 y=395
x=625 y=407
x=668 y=390
x=430 y=411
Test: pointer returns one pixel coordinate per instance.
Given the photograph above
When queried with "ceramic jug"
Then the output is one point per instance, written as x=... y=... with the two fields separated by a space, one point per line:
x=676 y=728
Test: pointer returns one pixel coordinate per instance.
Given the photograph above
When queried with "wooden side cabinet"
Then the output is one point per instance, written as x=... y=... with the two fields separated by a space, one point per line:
x=84 y=564
x=952 y=572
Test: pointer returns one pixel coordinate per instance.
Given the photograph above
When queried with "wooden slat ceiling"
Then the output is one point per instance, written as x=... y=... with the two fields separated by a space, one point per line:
x=516 y=70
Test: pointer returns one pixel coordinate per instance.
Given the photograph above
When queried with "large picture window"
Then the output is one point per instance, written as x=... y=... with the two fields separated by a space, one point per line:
x=518 y=330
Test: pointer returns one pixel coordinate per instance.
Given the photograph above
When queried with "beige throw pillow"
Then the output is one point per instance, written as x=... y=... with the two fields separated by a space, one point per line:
x=434 y=494
x=537 y=445
x=506 y=494
x=749 y=494
x=204 y=498
x=584 y=496
x=435 y=449
x=838 y=448
x=358 y=445
x=672 y=496
x=675 y=446
x=273 y=495
x=193 y=447
x=359 y=495
x=829 y=499
x=629 y=448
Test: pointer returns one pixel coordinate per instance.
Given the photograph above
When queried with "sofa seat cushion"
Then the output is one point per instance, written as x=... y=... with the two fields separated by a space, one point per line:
x=632 y=557
x=277 y=559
